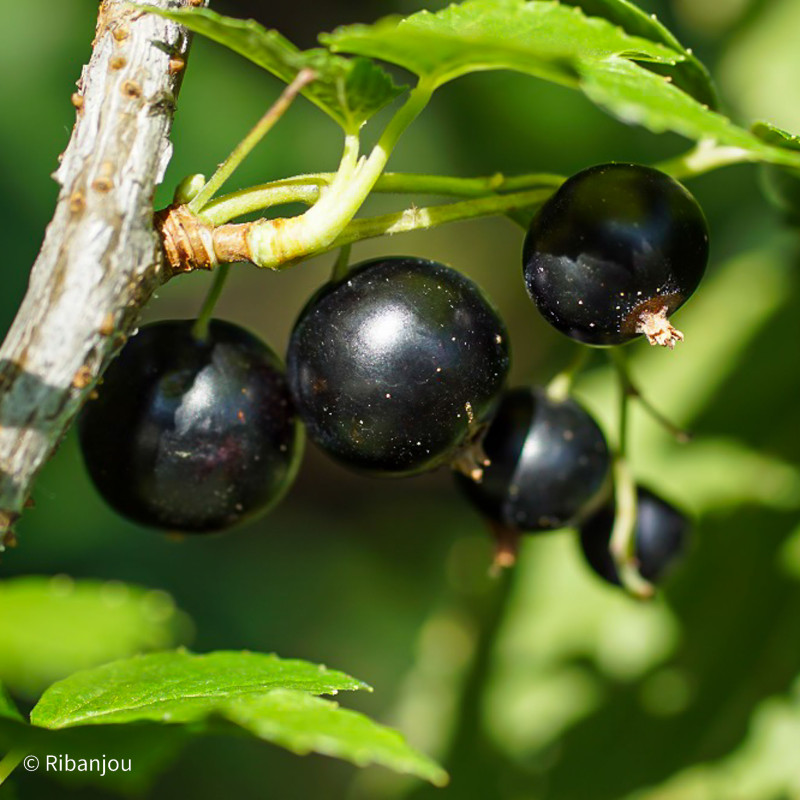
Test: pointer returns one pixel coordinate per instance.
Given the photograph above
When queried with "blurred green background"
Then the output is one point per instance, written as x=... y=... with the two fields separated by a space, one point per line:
x=579 y=693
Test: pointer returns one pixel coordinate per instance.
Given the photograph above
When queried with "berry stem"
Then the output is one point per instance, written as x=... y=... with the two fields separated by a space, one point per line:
x=9 y=763
x=307 y=189
x=256 y=134
x=342 y=263
x=623 y=534
x=200 y=328
x=632 y=389
x=560 y=387
x=415 y=219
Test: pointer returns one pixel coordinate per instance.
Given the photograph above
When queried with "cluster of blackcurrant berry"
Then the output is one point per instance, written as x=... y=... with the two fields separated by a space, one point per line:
x=400 y=367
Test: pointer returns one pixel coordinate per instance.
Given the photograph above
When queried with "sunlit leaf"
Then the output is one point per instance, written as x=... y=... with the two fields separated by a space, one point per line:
x=690 y=74
x=560 y=43
x=641 y=97
x=177 y=686
x=272 y=698
x=304 y=724
x=546 y=39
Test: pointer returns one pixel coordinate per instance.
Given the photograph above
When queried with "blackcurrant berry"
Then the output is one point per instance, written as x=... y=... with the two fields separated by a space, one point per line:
x=661 y=532
x=396 y=365
x=189 y=435
x=614 y=252
x=548 y=463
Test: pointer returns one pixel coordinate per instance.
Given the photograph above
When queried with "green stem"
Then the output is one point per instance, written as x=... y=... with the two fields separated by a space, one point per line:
x=417 y=219
x=200 y=328
x=243 y=149
x=316 y=229
x=373 y=167
x=258 y=198
x=342 y=263
x=307 y=189
x=623 y=534
x=404 y=182
x=560 y=387
x=704 y=157
x=10 y=762
x=620 y=359
x=633 y=391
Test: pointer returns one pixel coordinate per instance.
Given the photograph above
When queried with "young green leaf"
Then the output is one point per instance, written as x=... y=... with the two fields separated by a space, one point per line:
x=177 y=686
x=350 y=91
x=305 y=724
x=690 y=74
x=7 y=707
x=538 y=37
x=55 y=626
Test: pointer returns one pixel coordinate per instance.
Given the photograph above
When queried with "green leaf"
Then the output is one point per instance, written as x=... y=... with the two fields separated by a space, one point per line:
x=690 y=74
x=641 y=97
x=7 y=707
x=540 y=38
x=177 y=687
x=781 y=185
x=773 y=135
x=617 y=70
x=349 y=91
x=52 y=627
x=268 y=697
x=304 y=724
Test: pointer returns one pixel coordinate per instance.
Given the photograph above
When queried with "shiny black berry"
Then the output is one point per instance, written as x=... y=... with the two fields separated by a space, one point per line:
x=188 y=435
x=614 y=252
x=661 y=533
x=394 y=367
x=549 y=462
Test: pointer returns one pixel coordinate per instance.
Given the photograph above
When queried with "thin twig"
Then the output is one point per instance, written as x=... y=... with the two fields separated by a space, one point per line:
x=257 y=133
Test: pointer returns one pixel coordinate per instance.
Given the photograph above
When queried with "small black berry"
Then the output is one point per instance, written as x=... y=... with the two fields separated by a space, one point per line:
x=548 y=463
x=192 y=436
x=394 y=367
x=661 y=532
x=614 y=252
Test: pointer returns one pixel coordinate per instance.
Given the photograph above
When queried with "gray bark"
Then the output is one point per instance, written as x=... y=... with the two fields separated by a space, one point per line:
x=101 y=259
